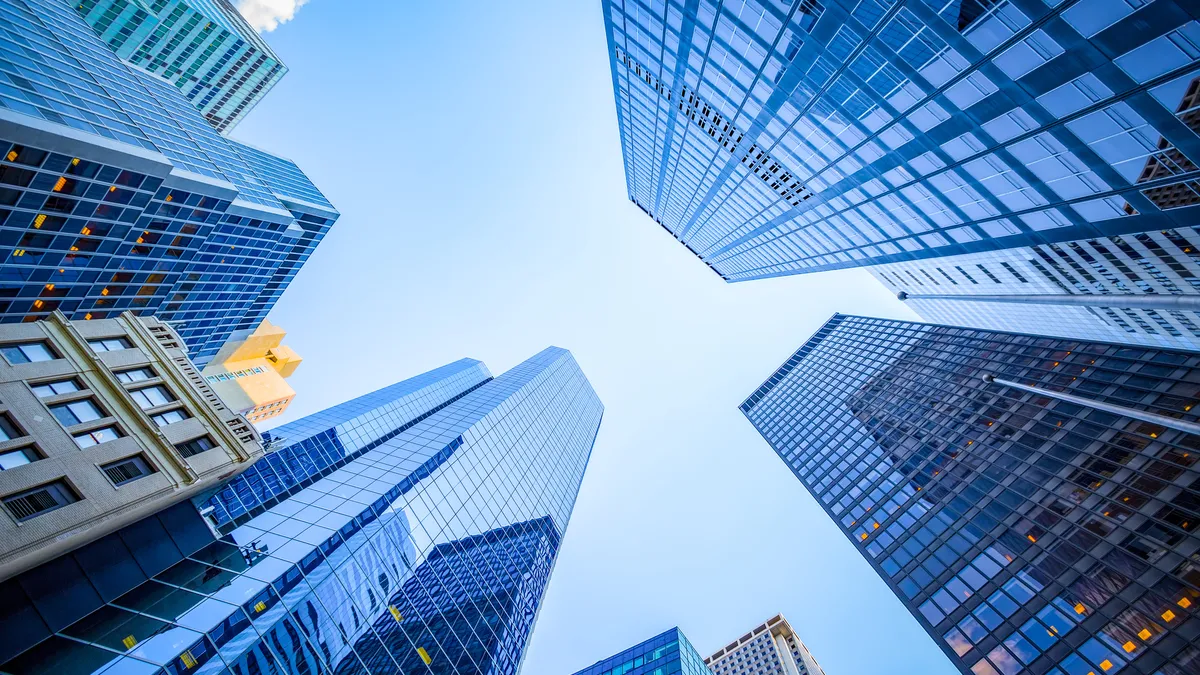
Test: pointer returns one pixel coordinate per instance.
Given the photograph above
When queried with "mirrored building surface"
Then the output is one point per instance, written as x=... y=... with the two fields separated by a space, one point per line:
x=665 y=654
x=1042 y=520
x=776 y=138
x=410 y=530
x=116 y=194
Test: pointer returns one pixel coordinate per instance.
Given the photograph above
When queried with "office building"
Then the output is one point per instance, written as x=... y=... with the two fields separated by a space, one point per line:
x=772 y=648
x=102 y=424
x=251 y=370
x=783 y=138
x=204 y=48
x=412 y=529
x=116 y=195
x=664 y=654
x=1142 y=288
x=1033 y=501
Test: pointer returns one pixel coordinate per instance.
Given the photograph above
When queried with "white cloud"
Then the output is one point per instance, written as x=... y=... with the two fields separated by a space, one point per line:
x=266 y=15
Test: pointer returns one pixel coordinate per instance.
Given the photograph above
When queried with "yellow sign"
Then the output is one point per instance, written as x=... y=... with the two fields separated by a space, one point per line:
x=129 y=641
x=424 y=655
x=189 y=661
x=260 y=606
x=395 y=613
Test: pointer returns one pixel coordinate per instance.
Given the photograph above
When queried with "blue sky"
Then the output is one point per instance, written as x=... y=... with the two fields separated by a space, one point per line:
x=473 y=152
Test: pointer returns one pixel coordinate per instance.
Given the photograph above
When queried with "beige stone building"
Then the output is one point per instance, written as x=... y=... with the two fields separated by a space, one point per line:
x=772 y=648
x=101 y=424
x=250 y=372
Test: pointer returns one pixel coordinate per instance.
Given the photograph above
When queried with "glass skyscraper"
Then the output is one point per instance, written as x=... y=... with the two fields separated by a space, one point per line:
x=204 y=48
x=776 y=138
x=1032 y=500
x=665 y=654
x=409 y=530
x=116 y=194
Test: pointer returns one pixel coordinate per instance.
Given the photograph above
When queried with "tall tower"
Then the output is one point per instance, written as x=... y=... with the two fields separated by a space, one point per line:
x=411 y=530
x=664 y=654
x=1033 y=501
x=116 y=194
x=772 y=648
x=776 y=138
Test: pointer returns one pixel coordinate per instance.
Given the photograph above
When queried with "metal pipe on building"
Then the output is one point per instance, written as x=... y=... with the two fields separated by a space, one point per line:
x=1162 y=420
x=1130 y=301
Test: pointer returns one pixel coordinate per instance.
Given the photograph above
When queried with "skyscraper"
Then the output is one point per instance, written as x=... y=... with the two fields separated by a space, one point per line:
x=410 y=530
x=202 y=47
x=251 y=370
x=1033 y=501
x=772 y=648
x=664 y=654
x=782 y=138
x=1142 y=288
x=115 y=194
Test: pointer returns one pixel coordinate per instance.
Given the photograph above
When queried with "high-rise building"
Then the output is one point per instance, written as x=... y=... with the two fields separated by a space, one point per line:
x=410 y=530
x=1142 y=289
x=772 y=648
x=776 y=138
x=664 y=654
x=1033 y=501
x=103 y=423
x=204 y=48
x=116 y=195
x=251 y=370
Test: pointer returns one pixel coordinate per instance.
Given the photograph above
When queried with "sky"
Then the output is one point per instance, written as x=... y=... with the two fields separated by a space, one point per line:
x=472 y=149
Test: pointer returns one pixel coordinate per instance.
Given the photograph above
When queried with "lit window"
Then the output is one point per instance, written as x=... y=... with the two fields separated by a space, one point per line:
x=28 y=352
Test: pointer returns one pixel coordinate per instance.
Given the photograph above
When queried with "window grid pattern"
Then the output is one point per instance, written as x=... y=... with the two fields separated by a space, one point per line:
x=669 y=653
x=434 y=545
x=1026 y=534
x=921 y=129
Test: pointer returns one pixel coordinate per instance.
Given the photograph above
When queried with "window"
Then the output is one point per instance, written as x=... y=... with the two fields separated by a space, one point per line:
x=39 y=500
x=151 y=397
x=170 y=417
x=126 y=470
x=28 y=352
x=97 y=436
x=47 y=389
x=8 y=430
x=195 y=446
x=110 y=344
x=11 y=459
x=135 y=375
x=76 y=412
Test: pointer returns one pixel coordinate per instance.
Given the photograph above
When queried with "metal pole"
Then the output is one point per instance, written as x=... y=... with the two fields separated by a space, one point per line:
x=1163 y=420
x=1150 y=301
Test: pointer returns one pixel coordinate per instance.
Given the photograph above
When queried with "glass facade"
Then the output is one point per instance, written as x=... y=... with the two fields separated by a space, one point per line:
x=115 y=194
x=1025 y=532
x=776 y=138
x=1161 y=264
x=416 y=533
x=664 y=654
x=202 y=47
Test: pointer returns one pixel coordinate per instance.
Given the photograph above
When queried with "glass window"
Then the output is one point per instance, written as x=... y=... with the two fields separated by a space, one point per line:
x=110 y=344
x=195 y=446
x=151 y=397
x=957 y=641
x=28 y=352
x=11 y=459
x=8 y=430
x=39 y=500
x=126 y=470
x=97 y=436
x=135 y=375
x=170 y=417
x=46 y=389
x=76 y=412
